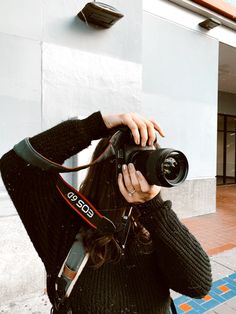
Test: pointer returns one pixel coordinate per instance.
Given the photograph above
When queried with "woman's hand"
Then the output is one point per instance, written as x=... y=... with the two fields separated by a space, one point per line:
x=134 y=187
x=143 y=130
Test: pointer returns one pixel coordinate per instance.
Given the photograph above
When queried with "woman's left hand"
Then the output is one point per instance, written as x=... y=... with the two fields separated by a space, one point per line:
x=134 y=187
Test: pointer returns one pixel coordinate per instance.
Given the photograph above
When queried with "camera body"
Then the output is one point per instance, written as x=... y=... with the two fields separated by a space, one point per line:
x=160 y=166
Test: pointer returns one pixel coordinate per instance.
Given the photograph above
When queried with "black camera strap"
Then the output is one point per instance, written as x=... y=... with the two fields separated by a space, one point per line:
x=81 y=205
x=26 y=151
x=74 y=198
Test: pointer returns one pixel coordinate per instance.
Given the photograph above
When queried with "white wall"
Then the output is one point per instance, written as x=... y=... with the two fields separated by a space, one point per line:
x=77 y=83
x=45 y=72
x=180 y=75
x=20 y=96
x=54 y=66
x=55 y=21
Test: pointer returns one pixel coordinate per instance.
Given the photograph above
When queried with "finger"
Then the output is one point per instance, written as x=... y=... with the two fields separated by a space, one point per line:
x=142 y=128
x=133 y=177
x=122 y=188
x=126 y=178
x=151 y=133
x=146 y=129
x=144 y=186
x=132 y=125
x=121 y=185
x=158 y=128
x=143 y=133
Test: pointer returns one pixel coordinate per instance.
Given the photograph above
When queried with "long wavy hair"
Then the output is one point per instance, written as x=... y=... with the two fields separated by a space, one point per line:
x=101 y=188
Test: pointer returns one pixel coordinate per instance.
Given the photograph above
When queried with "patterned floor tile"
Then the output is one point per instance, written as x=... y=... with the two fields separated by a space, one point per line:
x=221 y=291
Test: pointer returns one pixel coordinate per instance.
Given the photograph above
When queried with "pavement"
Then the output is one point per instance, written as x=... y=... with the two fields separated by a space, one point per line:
x=220 y=300
x=222 y=296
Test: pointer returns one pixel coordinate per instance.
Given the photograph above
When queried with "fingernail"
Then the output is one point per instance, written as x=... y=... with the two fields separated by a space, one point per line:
x=131 y=166
x=124 y=167
x=138 y=173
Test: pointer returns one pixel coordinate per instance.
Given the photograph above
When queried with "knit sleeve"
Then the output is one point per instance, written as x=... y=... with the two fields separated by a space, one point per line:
x=180 y=257
x=69 y=137
x=50 y=224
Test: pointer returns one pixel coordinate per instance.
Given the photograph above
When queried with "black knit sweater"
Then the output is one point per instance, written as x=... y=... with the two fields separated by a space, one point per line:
x=139 y=282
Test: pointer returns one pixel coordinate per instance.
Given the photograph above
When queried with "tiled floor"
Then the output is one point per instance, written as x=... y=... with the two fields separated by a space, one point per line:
x=222 y=291
x=217 y=232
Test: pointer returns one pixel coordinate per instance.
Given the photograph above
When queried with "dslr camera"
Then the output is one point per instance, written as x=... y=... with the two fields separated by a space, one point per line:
x=165 y=167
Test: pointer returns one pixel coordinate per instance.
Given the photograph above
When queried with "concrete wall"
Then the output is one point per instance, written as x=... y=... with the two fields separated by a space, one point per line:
x=180 y=76
x=54 y=66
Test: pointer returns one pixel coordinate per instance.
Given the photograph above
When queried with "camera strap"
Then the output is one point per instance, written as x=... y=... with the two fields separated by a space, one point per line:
x=79 y=203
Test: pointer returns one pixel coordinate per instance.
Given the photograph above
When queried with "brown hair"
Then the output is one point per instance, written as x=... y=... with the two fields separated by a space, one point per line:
x=101 y=188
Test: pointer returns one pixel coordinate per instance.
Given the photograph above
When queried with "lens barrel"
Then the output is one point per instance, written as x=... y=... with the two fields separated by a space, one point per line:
x=164 y=166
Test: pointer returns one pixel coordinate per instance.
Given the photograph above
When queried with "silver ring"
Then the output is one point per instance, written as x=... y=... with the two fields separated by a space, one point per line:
x=132 y=192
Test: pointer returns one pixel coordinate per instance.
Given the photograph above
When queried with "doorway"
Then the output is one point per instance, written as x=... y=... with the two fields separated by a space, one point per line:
x=226 y=149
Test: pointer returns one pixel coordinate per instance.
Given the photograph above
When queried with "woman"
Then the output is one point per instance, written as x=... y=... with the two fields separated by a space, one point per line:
x=160 y=253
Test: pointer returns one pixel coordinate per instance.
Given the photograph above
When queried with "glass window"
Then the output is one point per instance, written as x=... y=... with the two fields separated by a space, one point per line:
x=226 y=150
x=230 y=158
x=231 y=124
x=220 y=122
x=220 y=153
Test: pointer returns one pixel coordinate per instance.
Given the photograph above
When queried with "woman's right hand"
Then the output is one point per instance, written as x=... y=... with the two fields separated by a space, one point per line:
x=143 y=130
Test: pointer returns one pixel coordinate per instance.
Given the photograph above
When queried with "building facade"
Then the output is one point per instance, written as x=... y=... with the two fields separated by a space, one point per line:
x=157 y=60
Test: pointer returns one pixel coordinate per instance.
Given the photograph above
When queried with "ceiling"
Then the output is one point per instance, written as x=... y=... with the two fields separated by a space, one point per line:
x=227 y=69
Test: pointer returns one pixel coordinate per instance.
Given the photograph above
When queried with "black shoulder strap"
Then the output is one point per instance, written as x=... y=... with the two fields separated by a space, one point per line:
x=74 y=198
x=26 y=151
x=81 y=205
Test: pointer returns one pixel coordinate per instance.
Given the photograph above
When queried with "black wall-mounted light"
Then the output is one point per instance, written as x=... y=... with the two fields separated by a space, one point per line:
x=99 y=14
x=209 y=23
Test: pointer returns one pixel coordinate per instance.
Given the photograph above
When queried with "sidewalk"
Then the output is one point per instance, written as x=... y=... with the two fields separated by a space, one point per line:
x=222 y=297
x=217 y=234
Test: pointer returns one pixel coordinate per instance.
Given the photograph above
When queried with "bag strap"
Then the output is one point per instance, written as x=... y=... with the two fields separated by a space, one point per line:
x=76 y=260
x=69 y=273
x=173 y=307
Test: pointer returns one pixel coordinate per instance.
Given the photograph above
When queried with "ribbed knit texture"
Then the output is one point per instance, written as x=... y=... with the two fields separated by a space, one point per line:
x=139 y=282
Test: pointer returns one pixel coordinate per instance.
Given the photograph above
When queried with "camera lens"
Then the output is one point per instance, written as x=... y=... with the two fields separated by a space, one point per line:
x=171 y=166
x=174 y=167
x=164 y=167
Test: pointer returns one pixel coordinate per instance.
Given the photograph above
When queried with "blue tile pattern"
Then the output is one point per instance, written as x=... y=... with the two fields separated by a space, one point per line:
x=221 y=291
